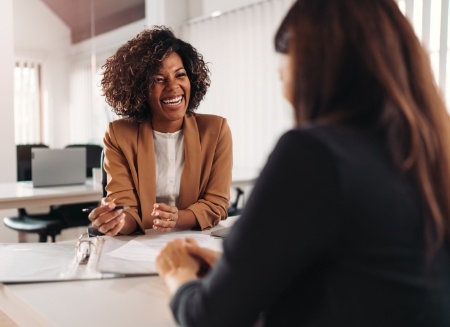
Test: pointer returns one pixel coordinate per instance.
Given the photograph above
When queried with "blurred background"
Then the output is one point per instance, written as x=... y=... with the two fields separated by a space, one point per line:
x=59 y=47
x=53 y=51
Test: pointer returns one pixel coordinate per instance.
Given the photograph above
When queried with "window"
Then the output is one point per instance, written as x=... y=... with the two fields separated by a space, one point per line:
x=27 y=102
x=245 y=85
x=430 y=21
x=87 y=103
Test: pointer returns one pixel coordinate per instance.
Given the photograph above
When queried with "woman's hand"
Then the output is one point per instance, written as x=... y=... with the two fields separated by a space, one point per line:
x=175 y=265
x=106 y=219
x=166 y=217
x=207 y=257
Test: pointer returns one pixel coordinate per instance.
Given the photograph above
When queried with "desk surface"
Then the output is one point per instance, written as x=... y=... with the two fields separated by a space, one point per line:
x=23 y=194
x=137 y=301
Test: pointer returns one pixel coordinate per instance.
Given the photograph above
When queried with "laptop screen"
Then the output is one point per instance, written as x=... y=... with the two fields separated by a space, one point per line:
x=51 y=167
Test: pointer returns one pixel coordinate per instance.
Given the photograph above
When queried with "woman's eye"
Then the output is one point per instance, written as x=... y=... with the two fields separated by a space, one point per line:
x=180 y=75
x=159 y=80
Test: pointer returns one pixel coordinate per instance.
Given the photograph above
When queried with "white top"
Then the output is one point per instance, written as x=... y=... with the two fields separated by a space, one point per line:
x=169 y=155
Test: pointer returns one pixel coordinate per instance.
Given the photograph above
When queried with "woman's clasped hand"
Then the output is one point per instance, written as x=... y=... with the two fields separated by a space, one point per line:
x=166 y=217
x=182 y=260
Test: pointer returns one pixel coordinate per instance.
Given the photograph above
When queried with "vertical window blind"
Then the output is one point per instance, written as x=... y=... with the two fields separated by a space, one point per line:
x=89 y=113
x=430 y=21
x=28 y=115
x=245 y=86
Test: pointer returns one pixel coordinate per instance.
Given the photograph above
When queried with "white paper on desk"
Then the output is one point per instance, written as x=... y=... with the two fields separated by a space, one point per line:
x=138 y=256
x=135 y=250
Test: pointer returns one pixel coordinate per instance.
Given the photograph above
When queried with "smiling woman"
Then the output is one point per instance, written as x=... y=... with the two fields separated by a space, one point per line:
x=170 y=95
x=169 y=165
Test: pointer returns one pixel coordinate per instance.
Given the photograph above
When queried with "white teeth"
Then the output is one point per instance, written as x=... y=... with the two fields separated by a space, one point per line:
x=176 y=100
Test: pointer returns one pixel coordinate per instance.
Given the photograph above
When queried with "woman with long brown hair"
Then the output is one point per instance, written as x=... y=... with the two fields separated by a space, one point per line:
x=362 y=183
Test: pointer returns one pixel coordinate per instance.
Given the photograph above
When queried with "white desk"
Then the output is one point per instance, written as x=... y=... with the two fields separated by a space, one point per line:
x=23 y=194
x=139 y=301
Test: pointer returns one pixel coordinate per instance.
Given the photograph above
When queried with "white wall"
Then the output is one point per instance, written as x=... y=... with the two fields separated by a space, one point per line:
x=41 y=35
x=174 y=13
x=166 y=12
x=210 y=6
x=8 y=149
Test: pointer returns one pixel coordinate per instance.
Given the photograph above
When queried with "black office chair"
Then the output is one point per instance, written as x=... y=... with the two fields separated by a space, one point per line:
x=92 y=231
x=59 y=217
x=234 y=209
x=45 y=225
x=23 y=155
x=104 y=177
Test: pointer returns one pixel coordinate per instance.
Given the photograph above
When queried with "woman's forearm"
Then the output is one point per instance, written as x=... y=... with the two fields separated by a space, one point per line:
x=186 y=219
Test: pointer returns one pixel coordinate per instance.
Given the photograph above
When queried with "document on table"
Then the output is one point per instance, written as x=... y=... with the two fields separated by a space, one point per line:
x=110 y=257
x=42 y=262
x=138 y=255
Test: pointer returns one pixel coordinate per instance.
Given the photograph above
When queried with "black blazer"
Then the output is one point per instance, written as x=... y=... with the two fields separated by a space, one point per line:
x=332 y=235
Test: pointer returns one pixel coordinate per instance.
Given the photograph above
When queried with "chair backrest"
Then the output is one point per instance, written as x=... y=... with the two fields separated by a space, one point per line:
x=24 y=160
x=93 y=156
x=104 y=178
x=233 y=209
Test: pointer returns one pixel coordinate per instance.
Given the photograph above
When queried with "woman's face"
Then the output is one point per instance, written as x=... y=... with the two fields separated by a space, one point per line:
x=169 y=98
x=286 y=76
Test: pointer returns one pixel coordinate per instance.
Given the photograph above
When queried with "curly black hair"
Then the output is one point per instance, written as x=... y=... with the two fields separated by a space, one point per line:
x=129 y=74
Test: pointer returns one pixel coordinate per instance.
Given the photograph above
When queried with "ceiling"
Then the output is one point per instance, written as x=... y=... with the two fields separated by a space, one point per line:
x=107 y=14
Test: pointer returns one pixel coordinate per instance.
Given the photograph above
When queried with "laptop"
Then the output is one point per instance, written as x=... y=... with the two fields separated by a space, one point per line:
x=222 y=233
x=53 y=167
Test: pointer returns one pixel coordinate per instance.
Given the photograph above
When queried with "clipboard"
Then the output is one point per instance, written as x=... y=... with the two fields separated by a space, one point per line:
x=91 y=257
x=51 y=262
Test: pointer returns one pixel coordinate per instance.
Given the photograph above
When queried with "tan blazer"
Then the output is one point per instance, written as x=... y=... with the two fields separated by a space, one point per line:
x=205 y=181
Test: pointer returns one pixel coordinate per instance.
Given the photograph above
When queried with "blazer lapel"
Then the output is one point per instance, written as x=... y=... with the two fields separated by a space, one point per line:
x=190 y=178
x=146 y=169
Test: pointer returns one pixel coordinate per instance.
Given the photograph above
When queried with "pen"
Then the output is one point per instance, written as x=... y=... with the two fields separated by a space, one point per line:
x=89 y=209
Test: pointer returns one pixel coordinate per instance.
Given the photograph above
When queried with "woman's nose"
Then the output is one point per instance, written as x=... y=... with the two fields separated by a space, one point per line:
x=172 y=83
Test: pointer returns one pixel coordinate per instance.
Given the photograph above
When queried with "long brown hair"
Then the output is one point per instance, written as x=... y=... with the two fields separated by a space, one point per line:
x=360 y=62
